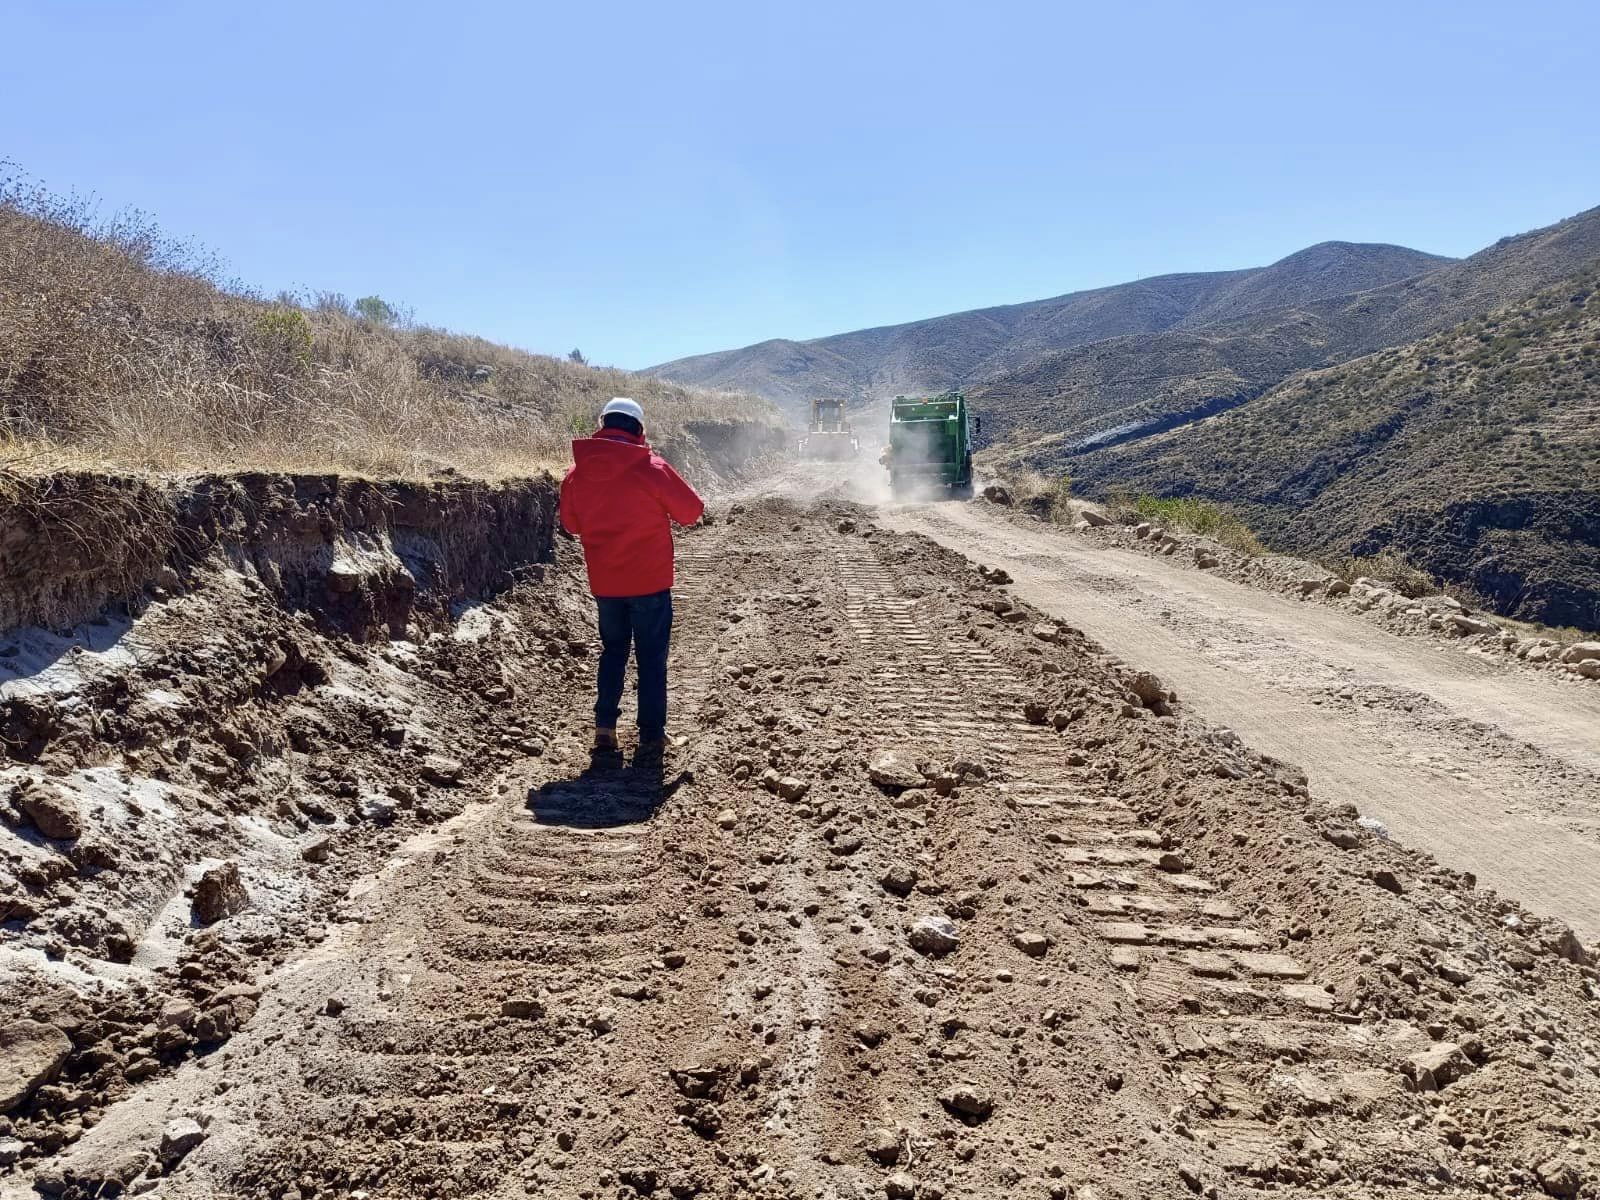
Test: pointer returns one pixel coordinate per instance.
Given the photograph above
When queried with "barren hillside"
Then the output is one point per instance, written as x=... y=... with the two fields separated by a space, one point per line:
x=964 y=348
x=1475 y=453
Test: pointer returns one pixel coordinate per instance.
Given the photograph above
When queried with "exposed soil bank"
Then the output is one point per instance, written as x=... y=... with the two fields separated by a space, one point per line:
x=73 y=543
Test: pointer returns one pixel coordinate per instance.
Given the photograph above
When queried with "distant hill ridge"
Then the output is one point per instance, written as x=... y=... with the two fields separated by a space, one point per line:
x=1474 y=452
x=1049 y=408
x=966 y=347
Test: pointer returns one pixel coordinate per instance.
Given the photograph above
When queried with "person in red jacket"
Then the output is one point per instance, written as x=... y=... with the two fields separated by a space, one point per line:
x=620 y=500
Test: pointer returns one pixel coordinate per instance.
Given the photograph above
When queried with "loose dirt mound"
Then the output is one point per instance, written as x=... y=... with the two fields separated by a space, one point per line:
x=936 y=900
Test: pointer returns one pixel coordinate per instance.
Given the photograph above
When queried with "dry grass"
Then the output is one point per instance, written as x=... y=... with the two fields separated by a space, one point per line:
x=122 y=347
x=1390 y=567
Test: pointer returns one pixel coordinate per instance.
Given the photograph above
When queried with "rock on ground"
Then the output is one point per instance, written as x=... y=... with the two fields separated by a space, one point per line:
x=934 y=936
x=53 y=810
x=31 y=1053
x=890 y=768
x=178 y=1138
x=219 y=894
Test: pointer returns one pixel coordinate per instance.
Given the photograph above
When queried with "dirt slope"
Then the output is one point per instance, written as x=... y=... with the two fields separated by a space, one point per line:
x=1493 y=770
x=1065 y=941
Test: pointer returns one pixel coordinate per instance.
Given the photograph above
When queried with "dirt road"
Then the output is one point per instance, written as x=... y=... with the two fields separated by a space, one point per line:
x=935 y=902
x=1492 y=770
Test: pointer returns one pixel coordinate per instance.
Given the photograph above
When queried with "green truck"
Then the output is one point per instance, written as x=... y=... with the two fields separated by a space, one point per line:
x=930 y=444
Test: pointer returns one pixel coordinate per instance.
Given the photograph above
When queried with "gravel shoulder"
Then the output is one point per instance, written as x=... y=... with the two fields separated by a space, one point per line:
x=1491 y=769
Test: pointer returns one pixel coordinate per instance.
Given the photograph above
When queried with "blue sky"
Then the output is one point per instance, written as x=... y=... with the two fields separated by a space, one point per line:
x=647 y=181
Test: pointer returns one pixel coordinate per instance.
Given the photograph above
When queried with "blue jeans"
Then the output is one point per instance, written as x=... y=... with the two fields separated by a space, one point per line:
x=644 y=624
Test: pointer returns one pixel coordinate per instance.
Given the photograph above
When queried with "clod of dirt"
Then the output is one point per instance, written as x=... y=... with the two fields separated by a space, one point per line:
x=52 y=809
x=997 y=493
x=883 y=1146
x=900 y=1186
x=967 y=1101
x=899 y=879
x=31 y=1053
x=1147 y=687
x=219 y=894
x=934 y=936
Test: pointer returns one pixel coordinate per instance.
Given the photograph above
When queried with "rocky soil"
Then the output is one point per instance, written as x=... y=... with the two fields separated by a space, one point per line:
x=937 y=899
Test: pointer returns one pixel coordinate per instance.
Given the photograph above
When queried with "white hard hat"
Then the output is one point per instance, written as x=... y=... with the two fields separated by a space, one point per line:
x=621 y=404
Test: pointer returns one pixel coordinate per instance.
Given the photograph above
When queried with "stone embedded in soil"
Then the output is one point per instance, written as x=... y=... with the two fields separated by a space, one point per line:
x=441 y=770
x=1032 y=942
x=10 y=1151
x=31 y=1053
x=53 y=810
x=1388 y=881
x=697 y=1081
x=316 y=850
x=1342 y=836
x=899 y=879
x=967 y=1101
x=934 y=936
x=178 y=1138
x=1438 y=1066
x=1559 y=1176
x=1147 y=687
x=883 y=1146
x=727 y=818
x=220 y=894
x=893 y=769
x=792 y=789
x=376 y=808
x=900 y=1186
x=522 y=1007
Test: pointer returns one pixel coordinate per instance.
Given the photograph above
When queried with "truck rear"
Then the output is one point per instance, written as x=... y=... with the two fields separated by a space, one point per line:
x=930 y=444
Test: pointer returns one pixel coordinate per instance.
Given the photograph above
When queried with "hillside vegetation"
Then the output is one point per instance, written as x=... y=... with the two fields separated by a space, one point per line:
x=1474 y=453
x=966 y=347
x=1139 y=385
x=120 y=345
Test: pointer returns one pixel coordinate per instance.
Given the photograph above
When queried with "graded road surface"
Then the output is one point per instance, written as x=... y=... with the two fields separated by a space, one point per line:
x=1491 y=769
x=937 y=901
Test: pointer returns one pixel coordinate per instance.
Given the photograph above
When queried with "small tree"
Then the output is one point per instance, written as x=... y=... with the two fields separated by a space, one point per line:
x=577 y=356
x=377 y=310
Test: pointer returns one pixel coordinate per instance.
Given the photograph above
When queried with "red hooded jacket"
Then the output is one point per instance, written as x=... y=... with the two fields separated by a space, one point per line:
x=620 y=499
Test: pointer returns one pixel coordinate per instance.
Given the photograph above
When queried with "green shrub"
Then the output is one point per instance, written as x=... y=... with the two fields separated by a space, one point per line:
x=284 y=338
x=1202 y=517
x=377 y=310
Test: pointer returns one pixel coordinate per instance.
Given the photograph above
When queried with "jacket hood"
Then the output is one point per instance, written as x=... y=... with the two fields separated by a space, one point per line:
x=609 y=456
